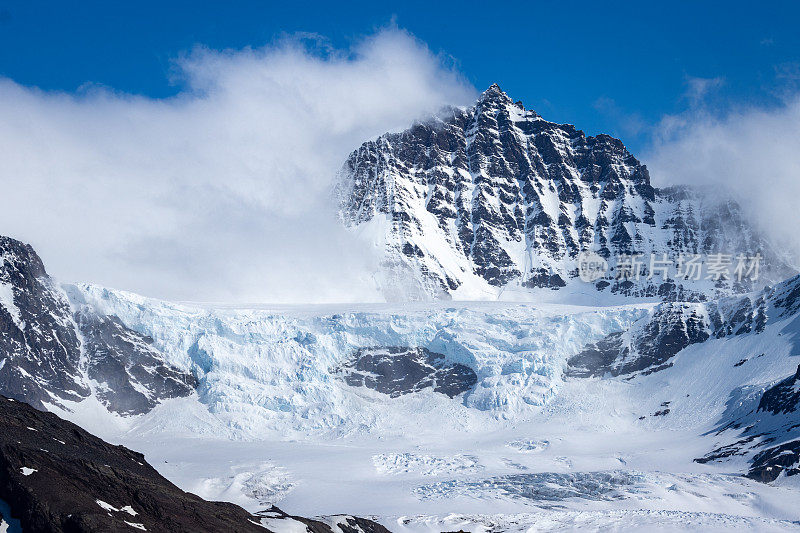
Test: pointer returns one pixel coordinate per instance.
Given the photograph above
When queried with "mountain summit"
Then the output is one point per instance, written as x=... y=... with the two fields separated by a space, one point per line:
x=479 y=199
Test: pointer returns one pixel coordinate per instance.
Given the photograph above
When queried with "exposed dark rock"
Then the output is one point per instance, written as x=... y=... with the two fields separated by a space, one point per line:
x=542 y=278
x=133 y=373
x=70 y=471
x=651 y=342
x=768 y=431
x=648 y=345
x=772 y=462
x=782 y=398
x=42 y=359
x=739 y=447
x=398 y=370
x=346 y=523
x=40 y=351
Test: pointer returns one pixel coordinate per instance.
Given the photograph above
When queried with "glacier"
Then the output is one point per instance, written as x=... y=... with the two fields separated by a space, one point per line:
x=267 y=370
x=528 y=446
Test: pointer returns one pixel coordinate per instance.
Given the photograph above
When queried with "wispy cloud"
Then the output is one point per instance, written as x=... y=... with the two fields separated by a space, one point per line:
x=630 y=124
x=697 y=88
x=750 y=151
x=223 y=191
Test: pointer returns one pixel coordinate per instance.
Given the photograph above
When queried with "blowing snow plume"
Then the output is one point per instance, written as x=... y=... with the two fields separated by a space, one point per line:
x=223 y=191
x=752 y=152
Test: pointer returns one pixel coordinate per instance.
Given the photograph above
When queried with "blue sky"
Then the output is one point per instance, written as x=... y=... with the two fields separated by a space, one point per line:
x=605 y=66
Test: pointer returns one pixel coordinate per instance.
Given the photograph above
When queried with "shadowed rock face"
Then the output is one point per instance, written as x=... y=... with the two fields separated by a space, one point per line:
x=772 y=462
x=396 y=371
x=54 y=476
x=133 y=371
x=783 y=398
x=765 y=426
x=494 y=193
x=768 y=432
x=49 y=351
x=647 y=346
x=57 y=478
x=345 y=523
x=40 y=350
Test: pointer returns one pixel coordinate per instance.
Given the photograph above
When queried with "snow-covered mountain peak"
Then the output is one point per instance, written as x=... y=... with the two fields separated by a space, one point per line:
x=494 y=198
x=494 y=94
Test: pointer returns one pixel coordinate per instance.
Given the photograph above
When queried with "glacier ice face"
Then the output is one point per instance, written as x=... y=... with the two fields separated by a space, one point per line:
x=521 y=437
x=264 y=370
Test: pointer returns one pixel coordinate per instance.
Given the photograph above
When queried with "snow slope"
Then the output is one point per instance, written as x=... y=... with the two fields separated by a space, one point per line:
x=272 y=421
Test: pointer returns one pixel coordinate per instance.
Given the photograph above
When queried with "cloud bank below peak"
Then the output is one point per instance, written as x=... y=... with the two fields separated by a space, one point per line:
x=752 y=152
x=222 y=192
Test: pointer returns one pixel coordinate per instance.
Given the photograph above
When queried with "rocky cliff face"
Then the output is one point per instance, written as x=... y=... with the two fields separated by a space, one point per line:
x=647 y=346
x=495 y=196
x=765 y=428
x=670 y=327
x=402 y=370
x=52 y=349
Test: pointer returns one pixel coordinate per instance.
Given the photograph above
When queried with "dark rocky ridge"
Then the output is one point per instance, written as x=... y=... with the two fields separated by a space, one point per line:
x=768 y=426
x=53 y=474
x=495 y=193
x=39 y=345
x=649 y=345
x=50 y=352
x=346 y=523
x=133 y=371
x=652 y=341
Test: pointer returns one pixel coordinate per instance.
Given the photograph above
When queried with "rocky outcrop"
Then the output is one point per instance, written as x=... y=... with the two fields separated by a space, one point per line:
x=647 y=346
x=132 y=372
x=344 y=523
x=398 y=370
x=53 y=350
x=57 y=478
x=766 y=429
x=775 y=424
x=652 y=341
x=40 y=347
x=493 y=195
x=763 y=424
x=770 y=463
x=783 y=398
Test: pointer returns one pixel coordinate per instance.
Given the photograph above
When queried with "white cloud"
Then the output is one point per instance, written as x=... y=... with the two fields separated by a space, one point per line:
x=220 y=193
x=753 y=152
x=697 y=89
